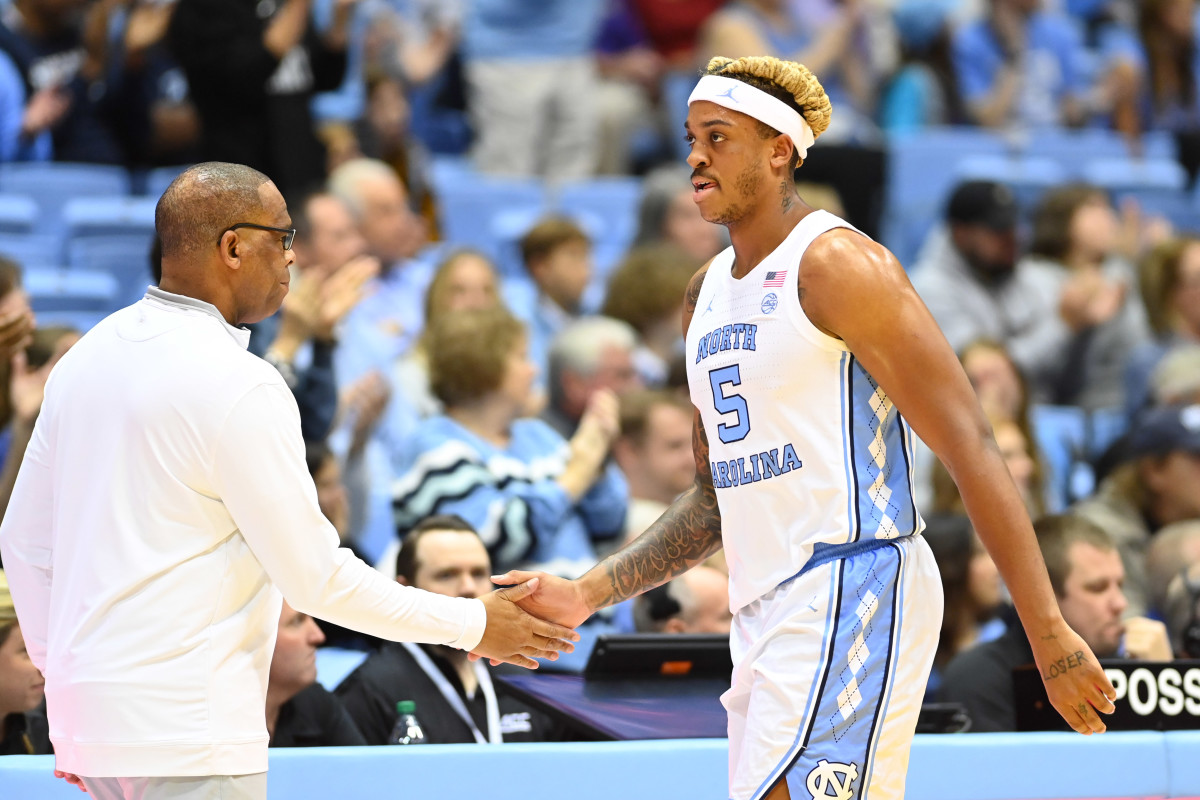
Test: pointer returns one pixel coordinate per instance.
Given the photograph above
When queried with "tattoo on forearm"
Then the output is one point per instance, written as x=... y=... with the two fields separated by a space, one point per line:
x=1059 y=668
x=687 y=533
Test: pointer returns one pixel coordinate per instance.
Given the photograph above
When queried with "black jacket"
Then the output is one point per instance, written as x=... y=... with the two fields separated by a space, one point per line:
x=253 y=110
x=315 y=718
x=981 y=679
x=371 y=692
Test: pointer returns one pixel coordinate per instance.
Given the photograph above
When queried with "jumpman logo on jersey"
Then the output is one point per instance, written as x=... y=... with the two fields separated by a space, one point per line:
x=710 y=302
x=729 y=93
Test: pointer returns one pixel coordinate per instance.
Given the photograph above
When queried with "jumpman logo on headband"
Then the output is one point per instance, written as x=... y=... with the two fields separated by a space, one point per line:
x=729 y=93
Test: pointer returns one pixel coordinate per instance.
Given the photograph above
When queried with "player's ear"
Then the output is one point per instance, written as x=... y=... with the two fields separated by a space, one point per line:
x=781 y=151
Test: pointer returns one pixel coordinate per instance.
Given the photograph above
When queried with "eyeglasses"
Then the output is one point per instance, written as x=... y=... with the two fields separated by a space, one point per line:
x=289 y=234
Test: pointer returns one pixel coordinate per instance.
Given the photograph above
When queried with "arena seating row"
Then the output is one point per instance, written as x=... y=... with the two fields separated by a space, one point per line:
x=924 y=166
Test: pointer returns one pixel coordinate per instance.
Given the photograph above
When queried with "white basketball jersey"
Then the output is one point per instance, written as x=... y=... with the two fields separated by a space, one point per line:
x=804 y=446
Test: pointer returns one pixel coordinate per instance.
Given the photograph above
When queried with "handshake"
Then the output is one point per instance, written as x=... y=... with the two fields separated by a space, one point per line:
x=533 y=616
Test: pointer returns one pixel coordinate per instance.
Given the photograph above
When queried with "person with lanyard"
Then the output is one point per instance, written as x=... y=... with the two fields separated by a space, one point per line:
x=456 y=700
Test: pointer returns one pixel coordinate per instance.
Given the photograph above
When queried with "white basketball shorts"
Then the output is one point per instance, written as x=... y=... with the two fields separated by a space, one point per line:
x=829 y=673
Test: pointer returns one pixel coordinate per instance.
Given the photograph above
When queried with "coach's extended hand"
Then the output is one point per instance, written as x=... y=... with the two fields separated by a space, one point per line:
x=514 y=636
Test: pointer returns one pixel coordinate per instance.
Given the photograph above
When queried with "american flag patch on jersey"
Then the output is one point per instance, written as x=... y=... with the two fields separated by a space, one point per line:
x=774 y=278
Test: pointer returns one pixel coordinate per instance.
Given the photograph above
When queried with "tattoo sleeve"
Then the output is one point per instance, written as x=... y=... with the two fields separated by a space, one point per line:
x=685 y=535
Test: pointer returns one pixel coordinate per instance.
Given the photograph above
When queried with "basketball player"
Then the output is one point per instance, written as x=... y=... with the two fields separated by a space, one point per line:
x=809 y=354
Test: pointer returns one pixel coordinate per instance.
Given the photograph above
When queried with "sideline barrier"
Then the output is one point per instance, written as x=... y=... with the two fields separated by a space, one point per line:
x=1029 y=766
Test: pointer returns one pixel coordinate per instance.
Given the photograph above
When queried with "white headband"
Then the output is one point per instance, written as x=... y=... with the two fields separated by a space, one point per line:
x=742 y=97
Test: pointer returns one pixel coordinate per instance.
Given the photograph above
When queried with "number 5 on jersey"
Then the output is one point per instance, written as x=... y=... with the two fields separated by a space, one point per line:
x=729 y=403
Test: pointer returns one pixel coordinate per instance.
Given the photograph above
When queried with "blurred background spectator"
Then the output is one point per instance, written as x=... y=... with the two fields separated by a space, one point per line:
x=23 y=727
x=1156 y=487
x=465 y=281
x=590 y=355
x=1183 y=612
x=533 y=496
x=300 y=712
x=1077 y=235
x=972 y=593
x=1169 y=278
x=654 y=451
x=252 y=72
x=532 y=86
x=667 y=214
x=646 y=292
x=695 y=602
x=557 y=255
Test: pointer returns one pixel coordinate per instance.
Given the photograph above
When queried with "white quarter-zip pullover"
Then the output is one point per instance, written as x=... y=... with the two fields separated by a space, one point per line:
x=163 y=498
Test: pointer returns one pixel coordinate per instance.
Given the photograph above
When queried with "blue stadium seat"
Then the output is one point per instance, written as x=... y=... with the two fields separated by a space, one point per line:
x=18 y=213
x=613 y=199
x=126 y=258
x=1062 y=436
x=1027 y=176
x=335 y=663
x=53 y=184
x=159 y=178
x=505 y=229
x=1180 y=209
x=82 y=321
x=922 y=170
x=1143 y=178
x=478 y=211
x=676 y=87
x=32 y=250
x=71 y=290
x=110 y=216
x=608 y=209
x=1073 y=149
x=447 y=171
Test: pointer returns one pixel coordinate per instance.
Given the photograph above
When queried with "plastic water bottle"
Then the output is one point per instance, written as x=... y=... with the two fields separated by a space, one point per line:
x=408 y=728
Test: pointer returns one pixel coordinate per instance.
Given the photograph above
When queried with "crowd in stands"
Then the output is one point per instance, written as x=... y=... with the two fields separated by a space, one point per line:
x=494 y=234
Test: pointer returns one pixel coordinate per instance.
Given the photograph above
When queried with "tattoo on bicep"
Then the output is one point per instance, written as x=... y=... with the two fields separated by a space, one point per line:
x=1060 y=667
x=692 y=297
x=685 y=535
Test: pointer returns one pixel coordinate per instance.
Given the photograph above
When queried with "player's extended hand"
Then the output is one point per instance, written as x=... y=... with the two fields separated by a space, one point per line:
x=1075 y=683
x=514 y=636
x=556 y=599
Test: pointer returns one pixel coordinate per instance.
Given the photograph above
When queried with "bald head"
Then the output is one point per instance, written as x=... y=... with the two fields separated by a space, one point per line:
x=202 y=202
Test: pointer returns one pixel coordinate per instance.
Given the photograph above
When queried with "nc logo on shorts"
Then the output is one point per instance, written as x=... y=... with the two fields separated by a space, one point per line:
x=832 y=780
x=770 y=303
